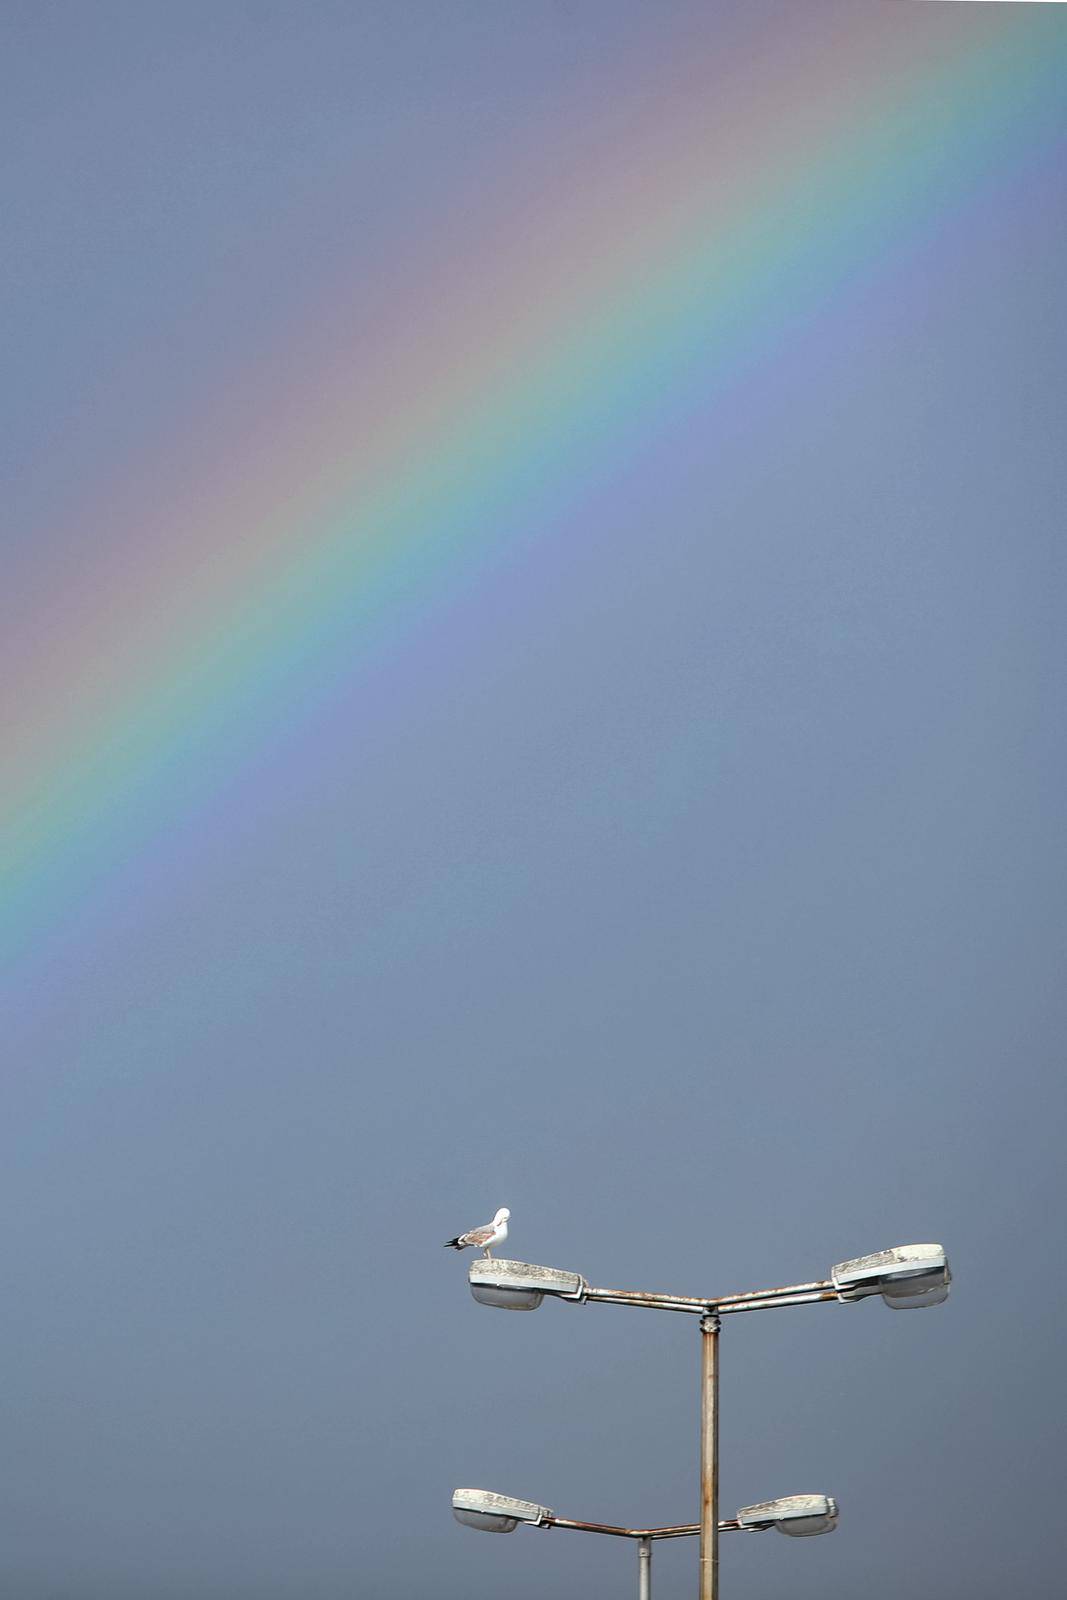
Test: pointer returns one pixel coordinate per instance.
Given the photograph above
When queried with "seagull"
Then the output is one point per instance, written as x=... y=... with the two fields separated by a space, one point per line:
x=494 y=1232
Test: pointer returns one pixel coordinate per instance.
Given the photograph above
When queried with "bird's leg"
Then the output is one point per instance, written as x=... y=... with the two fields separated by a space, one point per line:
x=488 y=1254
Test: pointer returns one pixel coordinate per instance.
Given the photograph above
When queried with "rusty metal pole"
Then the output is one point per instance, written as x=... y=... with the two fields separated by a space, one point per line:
x=644 y=1569
x=709 y=1457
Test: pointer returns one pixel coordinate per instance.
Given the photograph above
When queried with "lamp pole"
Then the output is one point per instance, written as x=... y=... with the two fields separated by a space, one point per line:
x=644 y=1569
x=709 y=1457
x=905 y=1276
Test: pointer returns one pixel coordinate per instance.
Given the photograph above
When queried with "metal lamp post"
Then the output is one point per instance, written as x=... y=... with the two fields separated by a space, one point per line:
x=906 y=1277
x=798 y=1514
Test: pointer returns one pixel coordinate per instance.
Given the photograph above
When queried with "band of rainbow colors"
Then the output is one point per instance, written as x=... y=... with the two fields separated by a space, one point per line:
x=642 y=290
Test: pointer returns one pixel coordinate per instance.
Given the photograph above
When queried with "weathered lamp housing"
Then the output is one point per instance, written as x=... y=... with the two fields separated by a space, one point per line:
x=495 y=1513
x=520 y=1286
x=907 y=1277
x=799 y=1515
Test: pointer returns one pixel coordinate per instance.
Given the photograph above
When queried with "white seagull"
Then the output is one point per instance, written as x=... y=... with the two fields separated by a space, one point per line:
x=494 y=1232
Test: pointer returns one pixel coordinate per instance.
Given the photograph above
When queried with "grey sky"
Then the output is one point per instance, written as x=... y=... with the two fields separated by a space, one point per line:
x=691 y=884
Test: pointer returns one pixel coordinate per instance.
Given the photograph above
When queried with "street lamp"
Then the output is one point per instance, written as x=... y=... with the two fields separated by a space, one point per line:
x=911 y=1276
x=520 y=1286
x=496 y=1513
x=799 y=1515
x=803 y=1514
x=906 y=1277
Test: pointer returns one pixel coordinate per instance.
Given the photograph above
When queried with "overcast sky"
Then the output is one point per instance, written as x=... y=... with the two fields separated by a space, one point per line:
x=676 y=858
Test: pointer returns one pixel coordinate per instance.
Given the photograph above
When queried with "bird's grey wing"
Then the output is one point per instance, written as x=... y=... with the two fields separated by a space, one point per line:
x=478 y=1236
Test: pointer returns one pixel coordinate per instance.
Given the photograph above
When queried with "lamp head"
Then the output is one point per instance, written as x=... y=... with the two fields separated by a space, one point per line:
x=799 y=1515
x=907 y=1277
x=519 y=1286
x=495 y=1513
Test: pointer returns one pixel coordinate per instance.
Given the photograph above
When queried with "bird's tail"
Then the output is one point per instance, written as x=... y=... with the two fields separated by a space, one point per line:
x=454 y=1244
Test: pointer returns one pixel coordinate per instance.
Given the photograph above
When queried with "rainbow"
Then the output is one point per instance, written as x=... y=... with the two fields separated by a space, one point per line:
x=565 y=336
